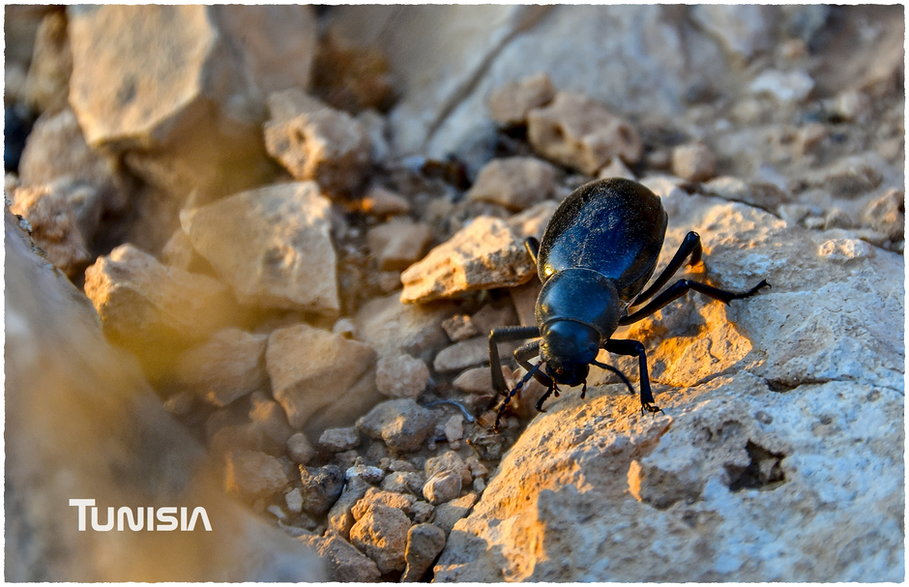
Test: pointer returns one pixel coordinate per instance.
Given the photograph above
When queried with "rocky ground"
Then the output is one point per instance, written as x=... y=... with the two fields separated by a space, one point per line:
x=304 y=223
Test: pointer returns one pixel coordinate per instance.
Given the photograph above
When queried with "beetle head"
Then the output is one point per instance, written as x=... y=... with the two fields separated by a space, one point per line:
x=568 y=347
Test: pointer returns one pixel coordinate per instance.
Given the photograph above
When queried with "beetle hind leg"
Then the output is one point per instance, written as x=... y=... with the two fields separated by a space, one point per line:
x=636 y=349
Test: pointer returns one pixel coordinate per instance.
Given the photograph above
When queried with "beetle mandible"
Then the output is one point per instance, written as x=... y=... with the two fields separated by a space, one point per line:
x=598 y=251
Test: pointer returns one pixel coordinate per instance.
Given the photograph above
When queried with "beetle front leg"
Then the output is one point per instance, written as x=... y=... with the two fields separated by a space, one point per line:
x=634 y=348
x=505 y=334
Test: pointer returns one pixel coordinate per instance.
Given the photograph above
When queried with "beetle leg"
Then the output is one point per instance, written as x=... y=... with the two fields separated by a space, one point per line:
x=691 y=245
x=617 y=372
x=636 y=349
x=680 y=288
x=584 y=390
x=544 y=397
x=532 y=246
x=507 y=333
x=527 y=351
x=501 y=411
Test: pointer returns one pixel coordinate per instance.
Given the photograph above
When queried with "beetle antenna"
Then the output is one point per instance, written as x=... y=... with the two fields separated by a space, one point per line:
x=617 y=372
x=511 y=394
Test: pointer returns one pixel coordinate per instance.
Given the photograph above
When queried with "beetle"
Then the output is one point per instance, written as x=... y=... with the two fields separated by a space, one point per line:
x=598 y=251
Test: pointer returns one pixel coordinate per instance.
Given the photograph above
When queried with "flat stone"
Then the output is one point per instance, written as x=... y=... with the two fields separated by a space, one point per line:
x=401 y=423
x=461 y=355
x=381 y=533
x=514 y=182
x=345 y=563
x=272 y=245
x=254 y=474
x=510 y=102
x=442 y=487
x=401 y=376
x=579 y=132
x=392 y=327
x=484 y=254
x=474 y=380
x=459 y=327
x=373 y=495
x=339 y=439
x=424 y=543
x=448 y=513
x=226 y=367
x=398 y=243
x=335 y=384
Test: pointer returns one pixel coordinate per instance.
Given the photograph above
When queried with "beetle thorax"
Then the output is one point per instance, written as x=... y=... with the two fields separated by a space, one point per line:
x=568 y=347
x=580 y=295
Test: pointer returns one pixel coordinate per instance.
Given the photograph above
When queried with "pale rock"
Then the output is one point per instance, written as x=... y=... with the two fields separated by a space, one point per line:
x=486 y=253
x=340 y=516
x=321 y=144
x=383 y=202
x=514 y=182
x=887 y=214
x=370 y=473
x=381 y=533
x=460 y=355
x=403 y=481
x=852 y=105
x=694 y=162
x=401 y=423
x=492 y=316
x=321 y=487
x=267 y=419
x=401 y=376
x=786 y=87
x=398 y=500
x=226 y=367
x=533 y=221
x=393 y=328
x=138 y=299
x=474 y=380
x=454 y=428
x=332 y=383
x=344 y=562
x=448 y=461
x=510 y=102
x=760 y=194
x=51 y=212
x=272 y=245
x=579 y=132
x=253 y=475
x=744 y=31
x=424 y=543
x=448 y=513
x=299 y=449
x=442 y=487
x=345 y=327
x=47 y=83
x=398 y=243
x=339 y=439
x=459 y=327
x=617 y=168
x=422 y=511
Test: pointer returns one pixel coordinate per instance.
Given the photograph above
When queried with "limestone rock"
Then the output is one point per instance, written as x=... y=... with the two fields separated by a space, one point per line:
x=744 y=31
x=424 y=543
x=401 y=423
x=339 y=439
x=47 y=84
x=340 y=516
x=577 y=131
x=510 y=103
x=299 y=449
x=474 y=380
x=486 y=253
x=139 y=299
x=345 y=562
x=321 y=487
x=254 y=474
x=442 y=487
x=694 y=162
x=227 y=366
x=785 y=87
x=398 y=243
x=392 y=327
x=401 y=376
x=272 y=245
x=460 y=355
x=382 y=534
x=514 y=182
x=318 y=374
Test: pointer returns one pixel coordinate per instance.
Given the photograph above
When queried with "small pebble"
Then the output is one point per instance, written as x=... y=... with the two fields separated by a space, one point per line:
x=368 y=473
x=442 y=487
x=294 y=500
x=424 y=543
x=339 y=439
x=459 y=327
x=401 y=423
x=401 y=376
x=422 y=511
x=381 y=534
x=454 y=428
x=460 y=355
x=447 y=514
x=694 y=162
x=299 y=449
x=321 y=487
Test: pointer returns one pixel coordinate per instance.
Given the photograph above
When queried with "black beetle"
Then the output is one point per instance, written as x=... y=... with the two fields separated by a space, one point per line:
x=597 y=253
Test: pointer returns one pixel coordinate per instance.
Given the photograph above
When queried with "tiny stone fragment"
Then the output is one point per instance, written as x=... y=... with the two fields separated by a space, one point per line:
x=339 y=439
x=844 y=249
x=514 y=182
x=251 y=474
x=424 y=543
x=460 y=355
x=454 y=428
x=447 y=514
x=510 y=103
x=345 y=562
x=404 y=481
x=383 y=202
x=459 y=327
x=694 y=162
x=398 y=242
x=576 y=131
x=381 y=533
x=442 y=487
x=368 y=473
x=321 y=487
x=299 y=448
x=294 y=500
x=474 y=380
x=401 y=376
x=402 y=424
x=340 y=516
x=486 y=253
x=448 y=461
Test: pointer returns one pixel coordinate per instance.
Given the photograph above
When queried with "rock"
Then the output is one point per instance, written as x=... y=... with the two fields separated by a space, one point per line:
x=459 y=327
x=448 y=461
x=887 y=214
x=442 y=487
x=785 y=87
x=369 y=473
x=321 y=487
x=104 y=429
x=401 y=423
x=320 y=144
x=142 y=301
x=844 y=249
x=178 y=251
x=448 y=513
x=403 y=481
x=510 y=103
x=267 y=419
x=514 y=182
x=398 y=243
x=293 y=499
x=462 y=354
x=381 y=533
x=694 y=162
x=486 y=253
x=744 y=31
x=492 y=316
x=252 y=475
x=424 y=543
x=54 y=225
x=474 y=380
x=226 y=367
x=382 y=202
x=353 y=78
x=454 y=428
x=401 y=376
x=272 y=245
x=760 y=194
x=331 y=387
x=576 y=131
x=299 y=448
x=339 y=439
x=422 y=511
x=393 y=328
x=340 y=516
x=401 y=501
x=616 y=168
x=47 y=84
x=345 y=562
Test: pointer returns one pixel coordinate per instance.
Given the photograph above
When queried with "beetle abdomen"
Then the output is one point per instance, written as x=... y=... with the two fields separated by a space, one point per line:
x=613 y=226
